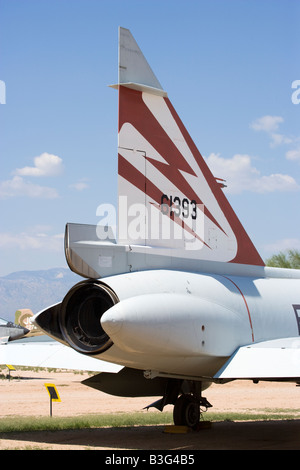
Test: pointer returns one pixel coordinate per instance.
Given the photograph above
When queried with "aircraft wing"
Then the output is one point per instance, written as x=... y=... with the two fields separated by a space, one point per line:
x=43 y=351
x=275 y=359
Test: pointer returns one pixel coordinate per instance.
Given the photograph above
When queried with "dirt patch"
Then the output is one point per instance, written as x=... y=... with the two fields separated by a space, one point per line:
x=27 y=396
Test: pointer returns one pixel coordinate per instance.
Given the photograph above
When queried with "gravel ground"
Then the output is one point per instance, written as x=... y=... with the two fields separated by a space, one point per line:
x=27 y=396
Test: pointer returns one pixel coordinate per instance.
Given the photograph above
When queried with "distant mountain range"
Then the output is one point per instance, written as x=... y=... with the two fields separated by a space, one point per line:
x=35 y=290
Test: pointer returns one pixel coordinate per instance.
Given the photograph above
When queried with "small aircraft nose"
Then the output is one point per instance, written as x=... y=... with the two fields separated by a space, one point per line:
x=18 y=333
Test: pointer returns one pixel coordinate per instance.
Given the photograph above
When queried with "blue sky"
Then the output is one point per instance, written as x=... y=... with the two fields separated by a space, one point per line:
x=228 y=67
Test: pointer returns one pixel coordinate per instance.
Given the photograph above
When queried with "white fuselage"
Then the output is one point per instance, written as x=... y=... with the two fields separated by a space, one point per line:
x=189 y=324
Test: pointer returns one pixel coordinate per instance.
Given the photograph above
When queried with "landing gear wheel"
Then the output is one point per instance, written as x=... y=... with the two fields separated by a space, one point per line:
x=186 y=411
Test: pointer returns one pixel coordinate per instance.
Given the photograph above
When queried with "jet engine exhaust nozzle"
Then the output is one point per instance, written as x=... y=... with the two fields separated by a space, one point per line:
x=80 y=316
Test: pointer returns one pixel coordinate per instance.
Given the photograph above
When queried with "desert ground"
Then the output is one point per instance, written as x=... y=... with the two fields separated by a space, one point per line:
x=26 y=395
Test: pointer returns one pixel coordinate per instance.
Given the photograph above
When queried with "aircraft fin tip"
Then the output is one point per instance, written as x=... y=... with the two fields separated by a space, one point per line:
x=133 y=66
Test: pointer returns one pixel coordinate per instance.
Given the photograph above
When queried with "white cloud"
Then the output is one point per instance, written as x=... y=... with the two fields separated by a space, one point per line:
x=80 y=186
x=32 y=240
x=266 y=123
x=17 y=186
x=270 y=124
x=241 y=175
x=279 y=139
x=276 y=182
x=44 y=165
x=293 y=154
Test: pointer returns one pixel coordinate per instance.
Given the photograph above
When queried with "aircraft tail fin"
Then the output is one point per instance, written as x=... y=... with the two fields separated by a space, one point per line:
x=133 y=67
x=168 y=197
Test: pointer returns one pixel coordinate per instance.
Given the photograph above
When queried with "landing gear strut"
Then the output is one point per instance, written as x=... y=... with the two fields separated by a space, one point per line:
x=187 y=410
x=186 y=396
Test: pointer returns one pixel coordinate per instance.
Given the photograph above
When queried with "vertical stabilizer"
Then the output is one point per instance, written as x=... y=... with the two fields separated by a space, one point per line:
x=168 y=197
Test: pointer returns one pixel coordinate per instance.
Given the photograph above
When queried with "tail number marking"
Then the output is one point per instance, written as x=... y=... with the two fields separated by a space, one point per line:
x=173 y=205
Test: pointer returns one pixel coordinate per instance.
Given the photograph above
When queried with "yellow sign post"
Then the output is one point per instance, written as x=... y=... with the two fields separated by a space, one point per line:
x=10 y=368
x=53 y=393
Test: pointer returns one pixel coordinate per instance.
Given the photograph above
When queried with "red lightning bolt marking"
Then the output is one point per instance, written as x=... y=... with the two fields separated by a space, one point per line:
x=133 y=110
x=130 y=173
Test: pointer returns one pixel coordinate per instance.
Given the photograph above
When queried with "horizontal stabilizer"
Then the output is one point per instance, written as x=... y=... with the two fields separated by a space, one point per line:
x=95 y=256
x=85 y=253
x=275 y=359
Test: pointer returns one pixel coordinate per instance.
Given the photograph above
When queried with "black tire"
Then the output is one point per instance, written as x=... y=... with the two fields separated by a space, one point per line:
x=186 y=411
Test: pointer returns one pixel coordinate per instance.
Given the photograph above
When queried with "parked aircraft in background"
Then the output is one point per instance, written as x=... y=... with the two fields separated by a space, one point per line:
x=9 y=331
x=181 y=298
x=23 y=346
